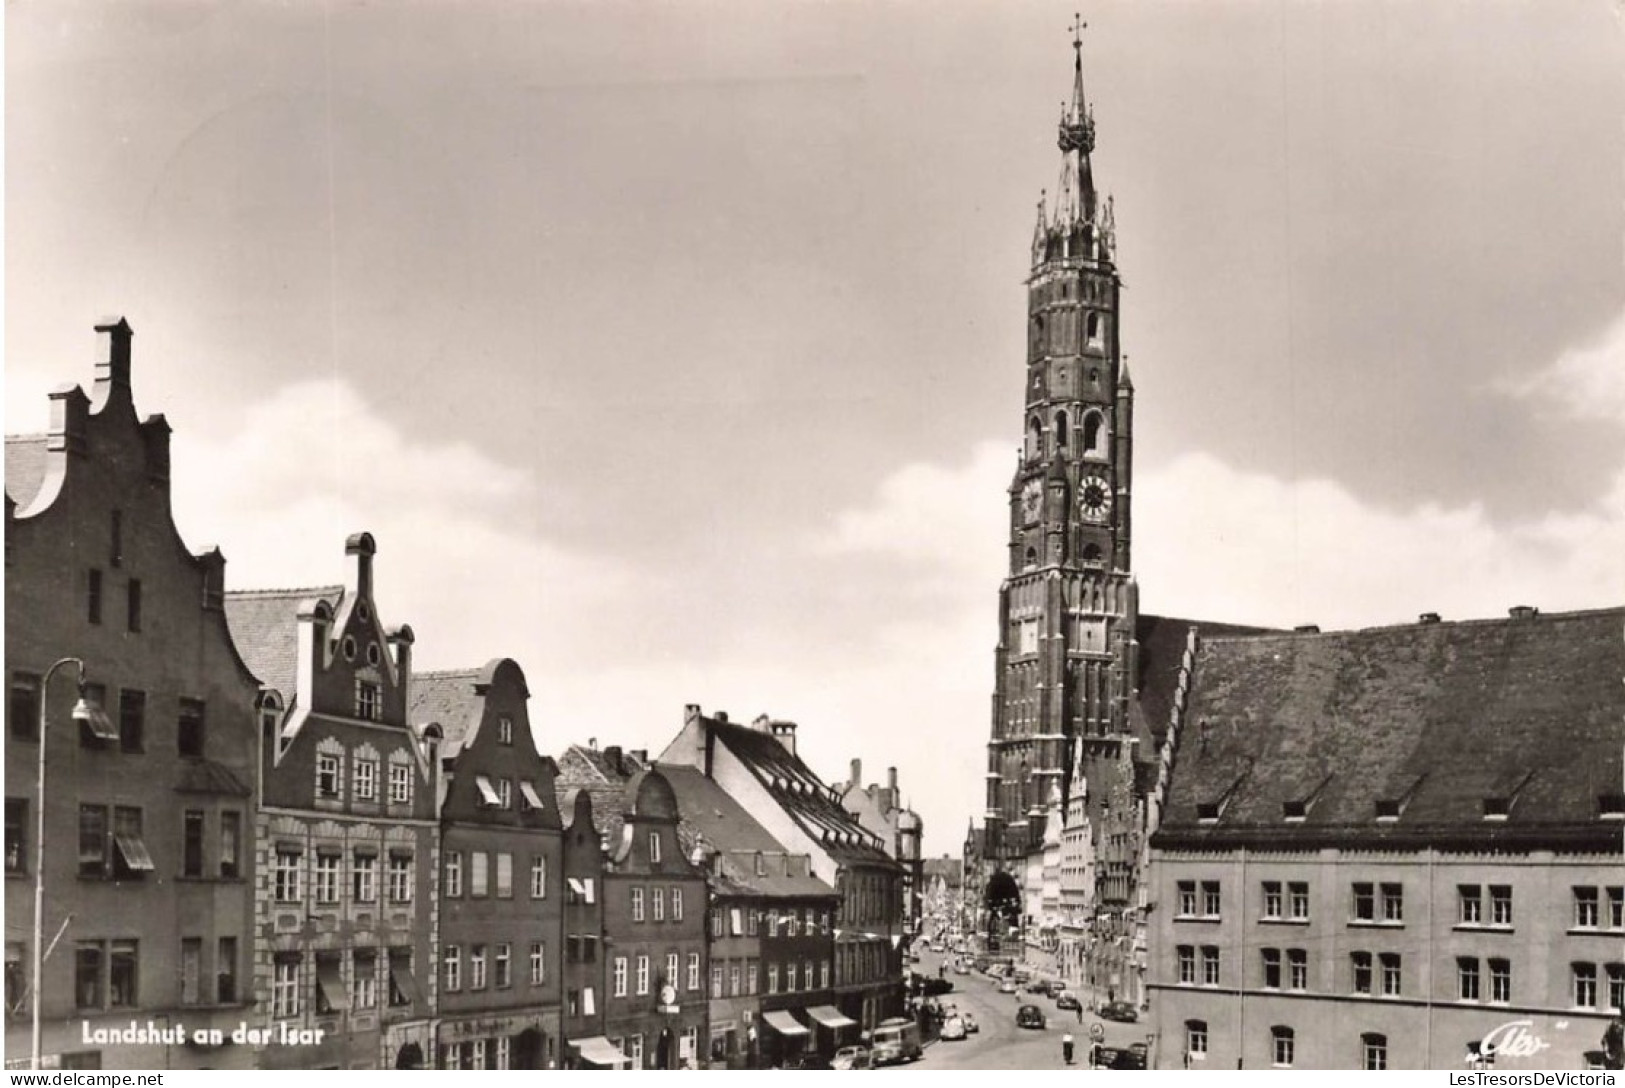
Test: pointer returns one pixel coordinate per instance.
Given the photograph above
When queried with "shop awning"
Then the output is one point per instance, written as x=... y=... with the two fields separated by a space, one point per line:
x=831 y=1017
x=783 y=1023
x=599 y=1051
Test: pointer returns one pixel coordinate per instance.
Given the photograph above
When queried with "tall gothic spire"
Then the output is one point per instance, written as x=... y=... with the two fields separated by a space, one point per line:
x=1075 y=201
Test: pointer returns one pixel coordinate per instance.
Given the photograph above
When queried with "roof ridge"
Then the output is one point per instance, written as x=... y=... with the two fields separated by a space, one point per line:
x=300 y=591
x=420 y=674
x=1474 y=621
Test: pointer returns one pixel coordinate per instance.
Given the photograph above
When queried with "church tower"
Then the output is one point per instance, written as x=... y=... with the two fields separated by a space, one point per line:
x=1067 y=606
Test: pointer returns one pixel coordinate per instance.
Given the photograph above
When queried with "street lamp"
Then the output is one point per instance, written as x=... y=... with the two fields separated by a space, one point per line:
x=83 y=711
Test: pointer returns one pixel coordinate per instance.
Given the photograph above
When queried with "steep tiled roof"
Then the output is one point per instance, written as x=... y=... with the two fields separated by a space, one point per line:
x=25 y=466
x=446 y=697
x=594 y=770
x=710 y=813
x=265 y=626
x=1433 y=721
x=1162 y=645
x=802 y=794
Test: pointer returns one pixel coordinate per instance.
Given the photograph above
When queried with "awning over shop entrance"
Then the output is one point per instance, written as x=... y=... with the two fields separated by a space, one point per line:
x=599 y=1051
x=783 y=1022
x=831 y=1017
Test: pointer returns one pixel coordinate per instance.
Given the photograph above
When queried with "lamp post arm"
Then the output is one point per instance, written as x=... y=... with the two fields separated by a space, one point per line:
x=39 y=847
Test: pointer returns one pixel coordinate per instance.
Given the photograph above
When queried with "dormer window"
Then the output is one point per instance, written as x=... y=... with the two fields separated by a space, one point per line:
x=1497 y=808
x=1611 y=806
x=1294 y=811
x=1388 y=809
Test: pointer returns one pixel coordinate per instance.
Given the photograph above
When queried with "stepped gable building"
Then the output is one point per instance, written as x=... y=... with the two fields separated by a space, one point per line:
x=880 y=809
x=501 y=856
x=148 y=853
x=654 y=955
x=758 y=767
x=771 y=926
x=1380 y=848
x=1080 y=695
x=348 y=829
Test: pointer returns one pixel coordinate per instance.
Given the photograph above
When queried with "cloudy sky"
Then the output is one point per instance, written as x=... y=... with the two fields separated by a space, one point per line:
x=675 y=350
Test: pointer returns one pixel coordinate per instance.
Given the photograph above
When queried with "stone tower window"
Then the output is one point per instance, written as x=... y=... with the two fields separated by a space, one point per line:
x=1060 y=430
x=1094 y=328
x=1094 y=435
x=1035 y=439
x=1030 y=560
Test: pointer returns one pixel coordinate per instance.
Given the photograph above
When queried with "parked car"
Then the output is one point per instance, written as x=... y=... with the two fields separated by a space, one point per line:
x=930 y=987
x=1067 y=1001
x=852 y=1057
x=1038 y=986
x=1008 y=986
x=808 y=1060
x=961 y=967
x=1030 y=1016
x=953 y=1030
x=1120 y=1057
x=971 y=1026
x=896 y=1040
x=1121 y=1011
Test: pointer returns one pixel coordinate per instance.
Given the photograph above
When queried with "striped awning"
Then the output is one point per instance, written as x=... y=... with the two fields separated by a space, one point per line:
x=831 y=1017
x=782 y=1022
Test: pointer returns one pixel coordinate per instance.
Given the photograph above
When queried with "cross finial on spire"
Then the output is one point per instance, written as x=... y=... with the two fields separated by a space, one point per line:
x=1078 y=27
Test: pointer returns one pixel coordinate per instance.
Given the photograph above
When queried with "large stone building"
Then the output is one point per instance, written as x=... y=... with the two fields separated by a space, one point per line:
x=501 y=855
x=348 y=830
x=759 y=767
x=1386 y=848
x=149 y=854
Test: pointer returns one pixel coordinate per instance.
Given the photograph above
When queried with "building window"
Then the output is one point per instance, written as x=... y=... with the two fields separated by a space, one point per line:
x=87 y=975
x=1272 y=968
x=400 y=878
x=327 y=775
x=538 y=963
x=401 y=984
x=454 y=875
x=1210 y=899
x=504 y=876
x=1210 y=965
x=366 y=779
x=23 y=707
x=366 y=700
x=790 y=978
x=365 y=977
x=677 y=905
x=330 y=994
x=1361 y=962
x=1616 y=908
x=693 y=971
x=1500 y=904
x=643 y=974
x=659 y=897
x=772 y=978
x=716 y=981
x=1374 y=1048
x=1392 y=973
x=327 y=877
x=189 y=729
x=1616 y=986
x=1187 y=898
x=285 y=987
x=1501 y=981
x=654 y=847
x=1585 y=985
x=1299 y=900
x=94 y=610
x=823 y=975
x=16 y=834
x=1187 y=965
x=191 y=970
x=1393 y=902
x=286 y=872
x=1469 y=904
x=364 y=877
x=400 y=783
x=735 y=982
x=476 y=967
x=752 y=978
x=1365 y=903
x=479 y=874
x=1585 y=908
x=618 y=980
x=1466 y=978
x=1272 y=899
x=225 y=971
x=132 y=720
x=504 y=730
x=673 y=970
x=230 y=841
x=1196 y=1040
x=538 y=877
x=132 y=601
x=192 y=843
x=1297 y=961
x=1282 y=1042
x=637 y=904
x=504 y=787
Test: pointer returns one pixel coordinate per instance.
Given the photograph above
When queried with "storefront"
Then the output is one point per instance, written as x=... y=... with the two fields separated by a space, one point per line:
x=831 y=1029
x=784 y=1039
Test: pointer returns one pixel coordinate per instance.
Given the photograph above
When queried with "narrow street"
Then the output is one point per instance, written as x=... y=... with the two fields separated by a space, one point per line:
x=1002 y=1045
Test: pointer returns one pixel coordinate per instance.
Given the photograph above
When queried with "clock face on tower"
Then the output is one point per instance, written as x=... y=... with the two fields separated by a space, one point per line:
x=1032 y=501
x=1095 y=498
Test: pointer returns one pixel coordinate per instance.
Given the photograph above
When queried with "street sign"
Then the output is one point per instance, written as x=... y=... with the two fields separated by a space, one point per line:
x=1097 y=1031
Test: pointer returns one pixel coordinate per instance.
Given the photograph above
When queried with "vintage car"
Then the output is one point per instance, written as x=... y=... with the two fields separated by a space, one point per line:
x=1030 y=1016
x=852 y=1057
x=953 y=1030
x=1067 y=1001
x=1121 y=1011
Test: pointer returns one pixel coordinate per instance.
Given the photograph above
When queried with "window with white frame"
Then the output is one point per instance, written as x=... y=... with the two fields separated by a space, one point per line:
x=1271 y=960
x=1211 y=900
x=1196 y=1039
x=454 y=875
x=677 y=904
x=504 y=876
x=1585 y=908
x=502 y=966
x=366 y=777
x=693 y=970
x=327 y=774
x=654 y=847
x=619 y=977
x=285 y=987
x=1298 y=900
x=1584 y=976
x=1393 y=902
x=658 y=895
x=504 y=792
x=504 y=730
x=400 y=878
x=1469 y=904
x=1374 y=1050
x=716 y=981
x=479 y=874
x=328 y=866
x=1210 y=965
x=637 y=904
x=1360 y=962
x=1283 y=1044
x=1500 y=904
x=364 y=876
x=476 y=967
x=365 y=974
x=538 y=877
x=368 y=700
x=451 y=959
x=673 y=970
x=643 y=974
x=1392 y=973
x=1187 y=965
x=538 y=963
x=1297 y=969
x=1500 y=981
x=1272 y=899
x=400 y=779
x=286 y=884
x=1466 y=978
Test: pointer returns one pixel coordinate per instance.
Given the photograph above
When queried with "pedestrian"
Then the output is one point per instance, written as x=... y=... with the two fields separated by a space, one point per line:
x=1080 y=1012
x=1066 y=1047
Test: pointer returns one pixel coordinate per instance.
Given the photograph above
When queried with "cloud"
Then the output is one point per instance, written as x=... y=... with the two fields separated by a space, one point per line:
x=1585 y=382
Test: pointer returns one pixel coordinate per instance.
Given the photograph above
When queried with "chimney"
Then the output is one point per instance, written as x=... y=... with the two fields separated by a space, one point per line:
x=722 y=716
x=785 y=734
x=213 y=565
x=113 y=360
x=857 y=774
x=362 y=546
x=640 y=756
x=155 y=437
x=1523 y=612
x=891 y=782
x=1428 y=617
x=612 y=756
x=592 y=744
